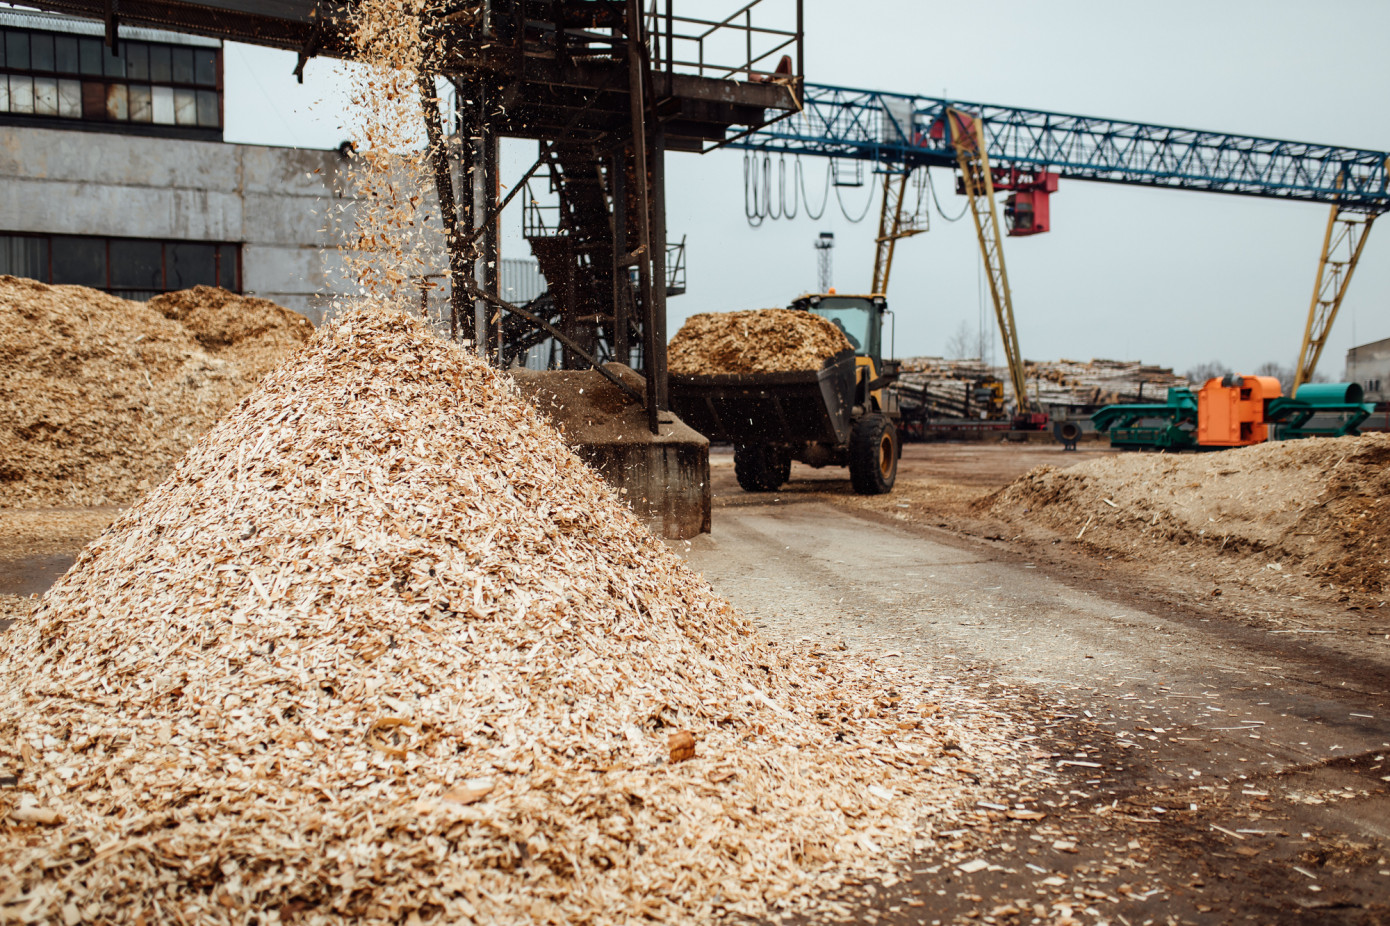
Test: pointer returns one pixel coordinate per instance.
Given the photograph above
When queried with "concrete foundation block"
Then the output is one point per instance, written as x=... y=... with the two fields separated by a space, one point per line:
x=664 y=477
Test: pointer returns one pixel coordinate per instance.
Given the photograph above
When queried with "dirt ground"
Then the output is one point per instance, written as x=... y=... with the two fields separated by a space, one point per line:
x=1227 y=754
x=1221 y=758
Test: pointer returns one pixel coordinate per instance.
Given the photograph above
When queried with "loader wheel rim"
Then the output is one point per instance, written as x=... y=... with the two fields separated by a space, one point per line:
x=885 y=455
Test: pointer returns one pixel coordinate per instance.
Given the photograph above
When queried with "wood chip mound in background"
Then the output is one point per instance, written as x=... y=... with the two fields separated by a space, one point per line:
x=253 y=333
x=100 y=396
x=382 y=648
x=1316 y=506
x=754 y=341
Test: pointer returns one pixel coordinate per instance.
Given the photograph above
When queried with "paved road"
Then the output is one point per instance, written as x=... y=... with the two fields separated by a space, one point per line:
x=1183 y=697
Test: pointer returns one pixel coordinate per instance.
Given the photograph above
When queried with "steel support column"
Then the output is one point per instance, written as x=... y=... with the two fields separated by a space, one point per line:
x=622 y=288
x=656 y=366
x=891 y=228
x=637 y=100
x=490 y=255
x=1341 y=250
x=448 y=212
x=967 y=136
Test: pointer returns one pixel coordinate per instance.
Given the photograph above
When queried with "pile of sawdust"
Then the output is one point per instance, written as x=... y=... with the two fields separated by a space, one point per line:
x=585 y=402
x=755 y=341
x=99 y=396
x=1319 y=506
x=382 y=647
x=252 y=333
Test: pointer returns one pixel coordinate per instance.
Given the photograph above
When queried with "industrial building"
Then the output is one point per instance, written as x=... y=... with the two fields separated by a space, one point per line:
x=115 y=175
x=1369 y=366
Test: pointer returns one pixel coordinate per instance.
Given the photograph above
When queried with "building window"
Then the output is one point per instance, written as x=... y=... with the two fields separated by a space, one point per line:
x=63 y=76
x=133 y=268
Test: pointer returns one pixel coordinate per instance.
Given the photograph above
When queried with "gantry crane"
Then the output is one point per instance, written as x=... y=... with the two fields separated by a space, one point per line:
x=1025 y=152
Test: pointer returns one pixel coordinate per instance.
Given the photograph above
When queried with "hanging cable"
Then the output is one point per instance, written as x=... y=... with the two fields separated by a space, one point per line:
x=939 y=210
x=767 y=191
x=922 y=179
x=791 y=198
x=825 y=197
x=750 y=193
x=782 y=189
x=868 y=204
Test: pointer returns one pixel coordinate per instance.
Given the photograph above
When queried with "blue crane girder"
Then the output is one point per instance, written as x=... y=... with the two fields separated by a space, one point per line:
x=899 y=131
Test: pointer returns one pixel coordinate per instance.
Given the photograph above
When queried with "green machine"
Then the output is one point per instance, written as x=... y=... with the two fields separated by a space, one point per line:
x=1171 y=425
x=1320 y=410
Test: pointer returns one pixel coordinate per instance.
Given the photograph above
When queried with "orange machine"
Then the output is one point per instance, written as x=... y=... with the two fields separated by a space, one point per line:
x=1231 y=410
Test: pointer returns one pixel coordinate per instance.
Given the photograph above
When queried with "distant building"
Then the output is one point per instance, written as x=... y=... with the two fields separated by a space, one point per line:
x=114 y=174
x=1369 y=365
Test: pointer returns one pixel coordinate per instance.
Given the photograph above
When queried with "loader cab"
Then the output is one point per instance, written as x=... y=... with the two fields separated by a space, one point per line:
x=859 y=317
x=861 y=320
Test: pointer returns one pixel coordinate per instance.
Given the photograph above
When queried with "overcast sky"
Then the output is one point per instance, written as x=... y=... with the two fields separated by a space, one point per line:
x=1169 y=277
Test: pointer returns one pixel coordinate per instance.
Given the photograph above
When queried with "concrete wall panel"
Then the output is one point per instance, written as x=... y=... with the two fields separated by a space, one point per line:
x=118 y=160
x=270 y=219
x=289 y=171
x=282 y=269
x=69 y=208
x=281 y=204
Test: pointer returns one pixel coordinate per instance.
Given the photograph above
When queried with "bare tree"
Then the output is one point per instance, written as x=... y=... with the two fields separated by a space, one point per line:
x=964 y=343
x=1212 y=369
x=1278 y=371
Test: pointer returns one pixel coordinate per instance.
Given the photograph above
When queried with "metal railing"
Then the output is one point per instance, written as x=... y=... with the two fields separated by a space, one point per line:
x=538 y=219
x=675 y=267
x=741 y=43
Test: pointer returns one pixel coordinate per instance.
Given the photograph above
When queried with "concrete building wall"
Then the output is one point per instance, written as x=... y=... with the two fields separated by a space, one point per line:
x=280 y=204
x=1369 y=365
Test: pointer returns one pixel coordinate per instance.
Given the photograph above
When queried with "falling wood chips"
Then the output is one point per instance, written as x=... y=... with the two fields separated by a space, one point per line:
x=755 y=341
x=100 y=396
x=381 y=647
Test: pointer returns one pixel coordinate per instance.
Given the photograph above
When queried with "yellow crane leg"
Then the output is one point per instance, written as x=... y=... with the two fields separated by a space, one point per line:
x=891 y=228
x=1341 y=249
x=967 y=135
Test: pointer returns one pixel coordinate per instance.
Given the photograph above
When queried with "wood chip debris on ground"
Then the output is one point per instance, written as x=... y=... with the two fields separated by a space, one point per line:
x=754 y=341
x=1316 y=506
x=100 y=396
x=381 y=648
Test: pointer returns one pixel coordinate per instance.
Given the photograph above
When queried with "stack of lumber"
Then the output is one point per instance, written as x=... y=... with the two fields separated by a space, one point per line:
x=99 y=396
x=933 y=387
x=1100 y=382
x=754 y=341
x=383 y=649
x=941 y=386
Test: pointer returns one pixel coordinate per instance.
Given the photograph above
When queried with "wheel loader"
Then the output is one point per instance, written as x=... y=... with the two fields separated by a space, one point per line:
x=839 y=415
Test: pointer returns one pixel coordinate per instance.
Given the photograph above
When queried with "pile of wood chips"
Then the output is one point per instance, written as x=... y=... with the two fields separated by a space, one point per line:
x=755 y=341
x=99 y=396
x=1315 y=507
x=382 y=648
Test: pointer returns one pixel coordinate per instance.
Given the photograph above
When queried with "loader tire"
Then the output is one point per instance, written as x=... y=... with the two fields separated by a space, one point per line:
x=760 y=467
x=873 y=455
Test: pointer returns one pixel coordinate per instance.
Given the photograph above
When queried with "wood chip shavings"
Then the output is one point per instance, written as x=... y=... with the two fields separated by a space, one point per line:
x=755 y=341
x=382 y=648
x=100 y=396
x=1314 y=506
